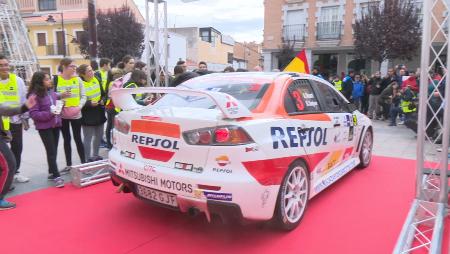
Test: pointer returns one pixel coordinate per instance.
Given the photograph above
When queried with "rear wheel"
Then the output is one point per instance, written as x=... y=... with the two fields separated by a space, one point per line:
x=365 y=155
x=292 y=197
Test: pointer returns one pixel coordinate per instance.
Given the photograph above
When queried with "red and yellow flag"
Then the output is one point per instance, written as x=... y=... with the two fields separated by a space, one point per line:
x=299 y=63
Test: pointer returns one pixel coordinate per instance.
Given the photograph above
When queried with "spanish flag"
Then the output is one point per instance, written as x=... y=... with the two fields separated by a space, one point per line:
x=298 y=64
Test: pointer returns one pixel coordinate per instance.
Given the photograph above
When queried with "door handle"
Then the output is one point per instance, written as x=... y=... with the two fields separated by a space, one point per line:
x=336 y=125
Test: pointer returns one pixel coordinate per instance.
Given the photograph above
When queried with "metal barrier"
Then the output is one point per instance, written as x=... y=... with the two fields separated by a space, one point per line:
x=90 y=173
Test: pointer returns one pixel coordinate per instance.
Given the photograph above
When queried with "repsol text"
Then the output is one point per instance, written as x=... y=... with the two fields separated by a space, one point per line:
x=289 y=137
x=157 y=142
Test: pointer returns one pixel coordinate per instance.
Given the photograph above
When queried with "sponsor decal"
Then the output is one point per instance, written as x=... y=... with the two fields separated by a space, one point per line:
x=188 y=167
x=223 y=170
x=218 y=196
x=223 y=160
x=156 y=142
x=337 y=137
x=348 y=122
x=198 y=193
x=350 y=133
x=120 y=170
x=251 y=149
x=265 y=197
x=355 y=120
x=333 y=178
x=231 y=105
x=334 y=160
x=289 y=137
x=158 y=182
x=128 y=154
x=149 y=168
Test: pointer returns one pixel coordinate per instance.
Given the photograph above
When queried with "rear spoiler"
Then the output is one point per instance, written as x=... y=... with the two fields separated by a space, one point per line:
x=229 y=106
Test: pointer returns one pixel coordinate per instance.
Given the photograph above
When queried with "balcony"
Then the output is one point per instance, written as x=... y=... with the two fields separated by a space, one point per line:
x=26 y=6
x=329 y=30
x=294 y=33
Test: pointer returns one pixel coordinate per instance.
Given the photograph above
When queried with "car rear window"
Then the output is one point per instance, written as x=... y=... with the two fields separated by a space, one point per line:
x=249 y=94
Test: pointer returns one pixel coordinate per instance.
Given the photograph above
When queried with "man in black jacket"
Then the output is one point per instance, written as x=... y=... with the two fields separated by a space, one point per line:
x=375 y=91
x=347 y=85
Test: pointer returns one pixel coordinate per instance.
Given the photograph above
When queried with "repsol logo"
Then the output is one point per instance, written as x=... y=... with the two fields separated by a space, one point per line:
x=158 y=142
x=298 y=137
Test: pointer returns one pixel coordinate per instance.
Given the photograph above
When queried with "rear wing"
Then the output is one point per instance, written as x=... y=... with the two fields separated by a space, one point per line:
x=229 y=106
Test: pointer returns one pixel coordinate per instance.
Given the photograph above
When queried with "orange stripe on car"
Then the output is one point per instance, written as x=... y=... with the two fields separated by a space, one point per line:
x=156 y=128
x=312 y=117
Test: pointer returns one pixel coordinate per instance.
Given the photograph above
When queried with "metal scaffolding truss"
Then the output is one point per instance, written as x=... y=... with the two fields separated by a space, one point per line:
x=156 y=45
x=14 y=41
x=424 y=225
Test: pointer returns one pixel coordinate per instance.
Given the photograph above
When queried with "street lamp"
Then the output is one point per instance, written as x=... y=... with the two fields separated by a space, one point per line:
x=51 y=20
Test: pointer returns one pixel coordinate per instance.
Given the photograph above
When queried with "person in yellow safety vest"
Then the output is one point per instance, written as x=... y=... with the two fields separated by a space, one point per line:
x=138 y=79
x=408 y=102
x=337 y=83
x=68 y=82
x=8 y=168
x=93 y=113
x=14 y=91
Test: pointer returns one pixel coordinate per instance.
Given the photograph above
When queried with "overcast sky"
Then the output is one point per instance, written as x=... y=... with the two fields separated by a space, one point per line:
x=242 y=19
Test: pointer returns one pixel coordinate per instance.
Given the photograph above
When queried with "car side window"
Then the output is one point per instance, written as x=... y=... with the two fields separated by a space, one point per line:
x=332 y=101
x=300 y=98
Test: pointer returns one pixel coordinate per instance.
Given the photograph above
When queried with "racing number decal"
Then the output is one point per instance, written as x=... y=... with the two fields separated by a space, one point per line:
x=298 y=100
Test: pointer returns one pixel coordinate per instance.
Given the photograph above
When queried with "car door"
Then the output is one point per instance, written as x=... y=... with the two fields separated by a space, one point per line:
x=314 y=128
x=344 y=138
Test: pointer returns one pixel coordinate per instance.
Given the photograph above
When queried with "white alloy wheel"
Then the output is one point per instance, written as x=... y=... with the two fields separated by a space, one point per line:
x=293 y=196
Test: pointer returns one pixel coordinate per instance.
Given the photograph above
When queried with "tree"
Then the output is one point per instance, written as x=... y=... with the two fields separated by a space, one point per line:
x=388 y=31
x=287 y=53
x=118 y=34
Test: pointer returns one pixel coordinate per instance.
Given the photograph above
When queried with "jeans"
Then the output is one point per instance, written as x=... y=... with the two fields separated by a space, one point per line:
x=50 y=138
x=374 y=109
x=7 y=169
x=76 y=131
x=110 y=114
x=17 y=143
x=92 y=137
x=394 y=111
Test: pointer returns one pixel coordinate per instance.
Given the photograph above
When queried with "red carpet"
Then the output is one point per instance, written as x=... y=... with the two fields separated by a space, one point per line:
x=362 y=213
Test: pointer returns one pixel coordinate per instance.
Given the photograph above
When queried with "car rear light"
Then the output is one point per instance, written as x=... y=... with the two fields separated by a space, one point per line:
x=223 y=135
x=121 y=126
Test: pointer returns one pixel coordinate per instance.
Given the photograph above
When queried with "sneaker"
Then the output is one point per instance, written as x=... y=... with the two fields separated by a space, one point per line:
x=6 y=205
x=98 y=158
x=59 y=182
x=401 y=123
x=51 y=177
x=392 y=124
x=21 y=179
x=66 y=170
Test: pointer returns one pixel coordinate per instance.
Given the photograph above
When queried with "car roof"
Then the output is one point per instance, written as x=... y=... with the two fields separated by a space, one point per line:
x=267 y=77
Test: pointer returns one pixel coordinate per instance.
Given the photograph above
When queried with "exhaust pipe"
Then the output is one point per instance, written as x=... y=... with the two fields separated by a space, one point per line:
x=193 y=211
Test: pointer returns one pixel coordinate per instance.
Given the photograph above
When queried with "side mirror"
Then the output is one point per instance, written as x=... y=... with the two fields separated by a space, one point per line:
x=352 y=107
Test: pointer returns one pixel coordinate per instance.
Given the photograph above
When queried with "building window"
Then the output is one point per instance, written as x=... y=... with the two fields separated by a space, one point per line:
x=41 y=39
x=79 y=36
x=46 y=70
x=205 y=35
x=47 y=5
x=230 y=58
x=329 y=26
x=294 y=27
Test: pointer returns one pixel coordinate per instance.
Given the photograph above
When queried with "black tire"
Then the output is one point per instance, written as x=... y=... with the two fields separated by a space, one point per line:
x=281 y=219
x=363 y=158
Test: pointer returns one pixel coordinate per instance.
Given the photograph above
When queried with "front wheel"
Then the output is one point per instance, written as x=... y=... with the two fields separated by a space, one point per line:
x=365 y=155
x=292 y=197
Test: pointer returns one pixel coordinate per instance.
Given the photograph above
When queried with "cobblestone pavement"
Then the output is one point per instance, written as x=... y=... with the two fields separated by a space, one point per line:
x=389 y=141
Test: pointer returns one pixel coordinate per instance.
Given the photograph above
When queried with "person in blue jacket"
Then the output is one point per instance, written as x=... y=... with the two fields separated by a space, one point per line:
x=358 y=91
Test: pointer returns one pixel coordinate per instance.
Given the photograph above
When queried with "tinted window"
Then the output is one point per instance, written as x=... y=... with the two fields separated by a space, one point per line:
x=249 y=94
x=300 y=97
x=332 y=101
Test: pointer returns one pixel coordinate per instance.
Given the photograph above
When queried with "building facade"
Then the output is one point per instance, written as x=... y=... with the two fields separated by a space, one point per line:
x=247 y=55
x=207 y=44
x=48 y=40
x=325 y=29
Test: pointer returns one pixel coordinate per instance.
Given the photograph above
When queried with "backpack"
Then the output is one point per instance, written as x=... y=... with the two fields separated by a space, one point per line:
x=116 y=84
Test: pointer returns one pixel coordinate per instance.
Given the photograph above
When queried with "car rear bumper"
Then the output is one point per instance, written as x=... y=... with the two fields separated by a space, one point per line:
x=225 y=210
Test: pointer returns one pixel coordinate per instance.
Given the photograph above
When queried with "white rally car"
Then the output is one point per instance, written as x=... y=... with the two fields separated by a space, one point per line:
x=252 y=146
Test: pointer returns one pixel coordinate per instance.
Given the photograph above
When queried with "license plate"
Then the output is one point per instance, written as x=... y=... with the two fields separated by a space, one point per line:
x=157 y=196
